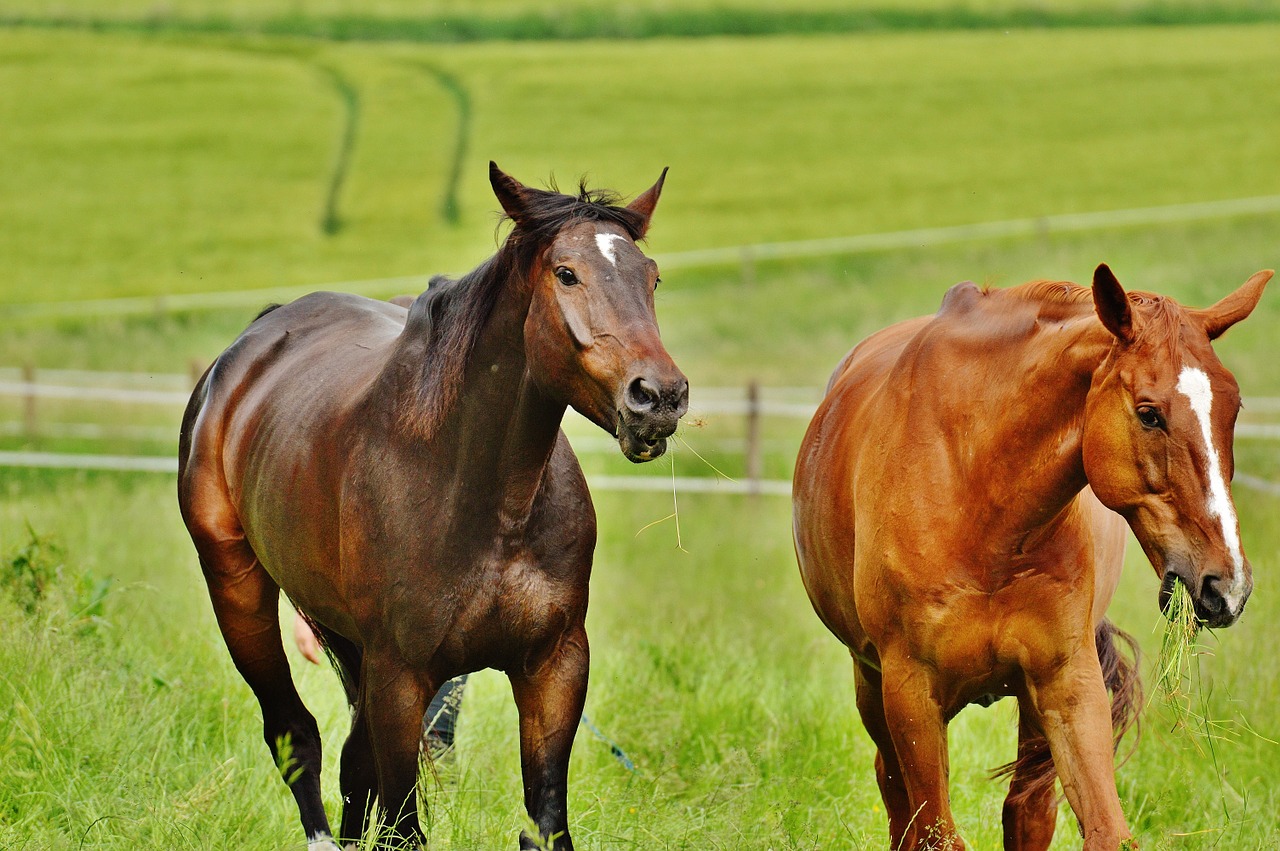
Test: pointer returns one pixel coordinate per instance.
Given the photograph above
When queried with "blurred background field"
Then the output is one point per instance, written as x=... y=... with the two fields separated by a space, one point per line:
x=161 y=183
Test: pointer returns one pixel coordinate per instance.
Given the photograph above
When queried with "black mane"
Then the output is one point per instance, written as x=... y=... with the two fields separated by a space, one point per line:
x=446 y=320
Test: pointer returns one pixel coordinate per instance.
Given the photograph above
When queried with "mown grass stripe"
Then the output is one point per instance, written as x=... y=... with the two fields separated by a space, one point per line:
x=450 y=208
x=608 y=22
x=861 y=243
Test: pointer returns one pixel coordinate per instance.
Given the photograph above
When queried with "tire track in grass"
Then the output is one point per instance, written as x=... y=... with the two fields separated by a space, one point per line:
x=450 y=209
x=349 y=97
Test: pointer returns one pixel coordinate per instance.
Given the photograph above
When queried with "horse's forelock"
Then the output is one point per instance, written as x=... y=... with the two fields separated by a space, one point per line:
x=547 y=212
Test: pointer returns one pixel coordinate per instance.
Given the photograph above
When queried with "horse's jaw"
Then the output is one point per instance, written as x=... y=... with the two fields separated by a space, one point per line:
x=637 y=449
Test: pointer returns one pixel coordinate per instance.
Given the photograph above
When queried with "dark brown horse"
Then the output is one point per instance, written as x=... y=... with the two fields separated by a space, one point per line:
x=951 y=529
x=402 y=477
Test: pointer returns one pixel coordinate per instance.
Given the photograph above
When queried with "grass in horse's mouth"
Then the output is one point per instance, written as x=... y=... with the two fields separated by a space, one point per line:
x=1177 y=650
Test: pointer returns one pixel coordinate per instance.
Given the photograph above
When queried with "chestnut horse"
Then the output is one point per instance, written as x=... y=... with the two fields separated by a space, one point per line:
x=402 y=477
x=950 y=527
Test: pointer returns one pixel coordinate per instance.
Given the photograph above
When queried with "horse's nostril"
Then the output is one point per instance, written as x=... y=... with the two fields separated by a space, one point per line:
x=1211 y=599
x=642 y=396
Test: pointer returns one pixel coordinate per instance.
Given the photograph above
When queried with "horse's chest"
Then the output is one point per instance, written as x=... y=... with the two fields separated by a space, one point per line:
x=516 y=613
x=983 y=642
x=529 y=598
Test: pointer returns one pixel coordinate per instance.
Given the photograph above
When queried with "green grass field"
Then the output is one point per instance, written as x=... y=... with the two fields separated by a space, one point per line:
x=146 y=165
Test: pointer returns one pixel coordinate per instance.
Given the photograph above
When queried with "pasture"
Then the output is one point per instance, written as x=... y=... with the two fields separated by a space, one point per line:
x=159 y=165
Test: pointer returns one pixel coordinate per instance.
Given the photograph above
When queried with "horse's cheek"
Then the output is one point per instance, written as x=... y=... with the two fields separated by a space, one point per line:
x=1111 y=463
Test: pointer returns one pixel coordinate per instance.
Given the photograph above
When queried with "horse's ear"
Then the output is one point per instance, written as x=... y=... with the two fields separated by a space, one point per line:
x=1112 y=305
x=510 y=192
x=1217 y=319
x=647 y=200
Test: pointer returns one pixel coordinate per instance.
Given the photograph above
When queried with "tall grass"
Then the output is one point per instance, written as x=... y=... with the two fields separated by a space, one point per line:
x=709 y=670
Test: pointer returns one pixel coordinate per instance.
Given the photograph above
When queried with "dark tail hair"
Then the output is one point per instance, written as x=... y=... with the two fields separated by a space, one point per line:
x=265 y=311
x=1123 y=680
x=344 y=655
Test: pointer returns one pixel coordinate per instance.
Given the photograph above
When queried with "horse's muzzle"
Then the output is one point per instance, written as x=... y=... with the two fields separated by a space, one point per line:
x=650 y=411
x=1212 y=607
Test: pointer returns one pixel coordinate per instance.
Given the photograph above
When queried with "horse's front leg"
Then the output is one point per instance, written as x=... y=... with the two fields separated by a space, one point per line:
x=888 y=773
x=914 y=715
x=550 y=702
x=392 y=702
x=1073 y=709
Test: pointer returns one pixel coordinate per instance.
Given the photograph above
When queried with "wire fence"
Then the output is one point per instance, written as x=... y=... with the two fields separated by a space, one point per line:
x=30 y=391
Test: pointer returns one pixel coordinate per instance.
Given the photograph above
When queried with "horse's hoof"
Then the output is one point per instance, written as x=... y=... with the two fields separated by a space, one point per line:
x=326 y=843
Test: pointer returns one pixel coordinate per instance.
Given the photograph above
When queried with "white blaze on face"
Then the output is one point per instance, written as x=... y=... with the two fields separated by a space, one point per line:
x=605 y=243
x=1194 y=384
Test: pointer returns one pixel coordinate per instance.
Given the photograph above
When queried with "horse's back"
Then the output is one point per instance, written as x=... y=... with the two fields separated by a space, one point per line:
x=319 y=346
x=269 y=400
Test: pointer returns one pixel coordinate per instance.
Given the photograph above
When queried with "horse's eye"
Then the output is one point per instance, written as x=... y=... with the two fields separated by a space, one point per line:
x=1150 y=417
x=565 y=276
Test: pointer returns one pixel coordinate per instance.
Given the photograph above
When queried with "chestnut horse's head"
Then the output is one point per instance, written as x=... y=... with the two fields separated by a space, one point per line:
x=591 y=336
x=1158 y=431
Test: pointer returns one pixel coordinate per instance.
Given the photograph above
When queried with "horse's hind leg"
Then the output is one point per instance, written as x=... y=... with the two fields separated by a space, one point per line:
x=245 y=600
x=1031 y=807
x=888 y=773
x=358 y=776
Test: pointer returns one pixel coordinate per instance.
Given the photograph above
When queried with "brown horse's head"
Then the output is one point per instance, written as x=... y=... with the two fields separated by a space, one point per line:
x=1158 y=431
x=591 y=336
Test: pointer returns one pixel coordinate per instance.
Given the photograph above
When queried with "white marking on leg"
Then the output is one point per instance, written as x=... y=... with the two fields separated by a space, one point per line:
x=1194 y=384
x=322 y=842
x=605 y=242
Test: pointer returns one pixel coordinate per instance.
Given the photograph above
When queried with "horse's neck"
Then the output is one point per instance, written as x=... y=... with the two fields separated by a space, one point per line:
x=502 y=428
x=1028 y=451
x=511 y=424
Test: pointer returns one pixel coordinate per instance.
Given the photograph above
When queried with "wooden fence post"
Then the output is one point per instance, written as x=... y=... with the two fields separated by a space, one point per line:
x=753 y=438
x=196 y=368
x=747 y=258
x=29 y=422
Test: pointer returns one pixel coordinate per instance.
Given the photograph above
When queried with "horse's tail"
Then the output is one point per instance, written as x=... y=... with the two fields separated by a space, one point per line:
x=1034 y=765
x=1123 y=679
x=345 y=656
